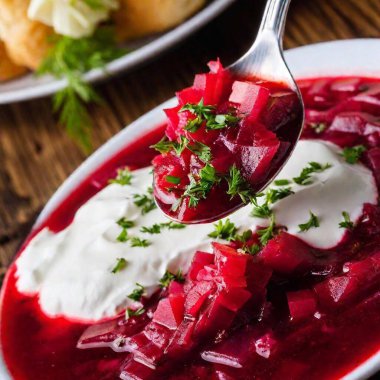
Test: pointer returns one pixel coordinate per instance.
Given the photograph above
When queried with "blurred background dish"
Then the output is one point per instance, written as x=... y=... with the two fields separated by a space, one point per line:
x=146 y=26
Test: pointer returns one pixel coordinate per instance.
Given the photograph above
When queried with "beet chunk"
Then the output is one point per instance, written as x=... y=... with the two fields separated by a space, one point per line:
x=287 y=255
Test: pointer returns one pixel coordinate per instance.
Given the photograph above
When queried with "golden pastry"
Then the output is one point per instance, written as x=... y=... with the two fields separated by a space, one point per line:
x=26 y=40
x=136 y=18
x=8 y=69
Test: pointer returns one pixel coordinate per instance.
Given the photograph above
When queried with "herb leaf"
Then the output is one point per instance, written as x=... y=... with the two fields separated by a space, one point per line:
x=352 y=155
x=201 y=150
x=318 y=127
x=199 y=188
x=347 y=222
x=138 y=242
x=145 y=201
x=137 y=293
x=237 y=185
x=224 y=230
x=124 y=177
x=135 y=313
x=120 y=265
x=267 y=233
x=282 y=182
x=69 y=58
x=313 y=222
x=168 y=277
x=313 y=167
x=173 y=179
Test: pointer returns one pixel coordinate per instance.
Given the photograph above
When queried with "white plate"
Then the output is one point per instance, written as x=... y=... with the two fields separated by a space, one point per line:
x=29 y=87
x=349 y=57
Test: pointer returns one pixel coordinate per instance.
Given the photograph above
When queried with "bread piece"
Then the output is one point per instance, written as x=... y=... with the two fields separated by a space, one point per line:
x=137 y=18
x=26 y=40
x=8 y=69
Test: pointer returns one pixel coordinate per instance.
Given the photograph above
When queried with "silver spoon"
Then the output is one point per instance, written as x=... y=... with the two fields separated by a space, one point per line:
x=264 y=61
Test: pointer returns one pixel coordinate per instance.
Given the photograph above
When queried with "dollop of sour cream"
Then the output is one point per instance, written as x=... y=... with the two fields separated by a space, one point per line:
x=73 y=18
x=71 y=270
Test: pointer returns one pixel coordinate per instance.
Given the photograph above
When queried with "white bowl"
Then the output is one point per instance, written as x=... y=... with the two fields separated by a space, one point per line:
x=338 y=58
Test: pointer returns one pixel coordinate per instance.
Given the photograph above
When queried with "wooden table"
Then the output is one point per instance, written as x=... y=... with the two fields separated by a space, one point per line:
x=36 y=155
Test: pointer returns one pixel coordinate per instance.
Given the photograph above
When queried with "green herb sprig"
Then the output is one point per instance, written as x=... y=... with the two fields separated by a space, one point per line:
x=313 y=222
x=69 y=58
x=353 y=154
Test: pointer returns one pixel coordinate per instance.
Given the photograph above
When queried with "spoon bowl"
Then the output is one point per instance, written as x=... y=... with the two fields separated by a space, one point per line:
x=262 y=65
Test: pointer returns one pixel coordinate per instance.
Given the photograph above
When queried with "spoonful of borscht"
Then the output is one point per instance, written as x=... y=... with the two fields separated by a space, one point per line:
x=231 y=132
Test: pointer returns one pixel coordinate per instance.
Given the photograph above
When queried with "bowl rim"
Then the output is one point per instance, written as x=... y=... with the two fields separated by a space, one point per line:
x=325 y=59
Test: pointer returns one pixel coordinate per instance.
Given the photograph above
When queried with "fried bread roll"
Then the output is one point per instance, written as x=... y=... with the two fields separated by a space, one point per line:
x=26 y=40
x=8 y=69
x=137 y=18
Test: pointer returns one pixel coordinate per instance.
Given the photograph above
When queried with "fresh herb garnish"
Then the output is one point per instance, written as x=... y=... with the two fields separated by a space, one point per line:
x=347 y=222
x=221 y=121
x=251 y=249
x=318 y=127
x=137 y=293
x=135 y=313
x=206 y=115
x=271 y=197
x=313 y=222
x=198 y=188
x=173 y=225
x=224 y=230
x=267 y=233
x=165 y=145
x=237 y=185
x=69 y=58
x=305 y=176
x=201 y=150
x=120 y=265
x=352 y=154
x=124 y=224
x=282 y=182
x=124 y=177
x=145 y=201
x=173 y=179
x=168 y=277
x=155 y=229
x=274 y=195
x=138 y=242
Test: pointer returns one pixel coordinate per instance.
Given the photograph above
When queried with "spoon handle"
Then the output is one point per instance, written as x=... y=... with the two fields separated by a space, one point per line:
x=274 y=17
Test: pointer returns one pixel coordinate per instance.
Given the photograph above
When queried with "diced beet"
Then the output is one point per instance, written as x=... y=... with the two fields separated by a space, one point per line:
x=229 y=261
x=254 y=133
x=250 y=97
x=336 y=291
x=256 y=161
x=258 y=275
x=280 y=110
x=215 y=85
x=234 y=299
x=287 y=254
x=175 y=288
x=133 y=370
x=172 y=120
x=350 y=122
x=189 y=95
x=168 y=313
x=215 y=319
x=302 y=304
x=373 y=156
x=266 y=345
x=157 y=334
x=197 y=296
x=200 y=259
